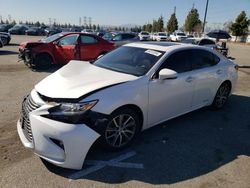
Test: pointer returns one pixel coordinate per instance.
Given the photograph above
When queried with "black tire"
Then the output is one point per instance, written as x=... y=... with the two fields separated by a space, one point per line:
x=221 y=96
x=4 y=40
x=8 y=41
x=117 y=137
x=43 y=61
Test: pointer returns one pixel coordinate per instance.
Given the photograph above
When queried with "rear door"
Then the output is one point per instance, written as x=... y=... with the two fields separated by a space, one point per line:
x=90 y=47
x=66 y=49
x=207 y=76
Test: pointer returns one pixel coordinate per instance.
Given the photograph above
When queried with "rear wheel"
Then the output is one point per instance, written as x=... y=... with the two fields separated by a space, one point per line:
x=43 y=61
x=221 y=95
x=121 y=129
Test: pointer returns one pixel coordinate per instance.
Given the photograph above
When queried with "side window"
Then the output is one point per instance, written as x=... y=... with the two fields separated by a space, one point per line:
x=68 y=40
x=203 y=59
x=85 y=39
x=178 y=61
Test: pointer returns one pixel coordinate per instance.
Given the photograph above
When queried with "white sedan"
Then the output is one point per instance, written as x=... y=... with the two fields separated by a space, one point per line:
x=128 y=90
x=161 y=36
x=144 y=36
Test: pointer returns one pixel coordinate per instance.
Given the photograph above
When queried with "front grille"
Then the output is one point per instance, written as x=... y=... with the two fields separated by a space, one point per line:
x=28 y=106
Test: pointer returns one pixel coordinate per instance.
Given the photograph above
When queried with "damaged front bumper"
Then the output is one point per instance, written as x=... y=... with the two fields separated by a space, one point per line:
x=25 y=55
x=60 y=143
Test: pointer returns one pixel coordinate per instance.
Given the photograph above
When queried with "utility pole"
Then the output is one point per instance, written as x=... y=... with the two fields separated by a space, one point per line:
x=204 y=23
x=174 y=9
x=80 y=21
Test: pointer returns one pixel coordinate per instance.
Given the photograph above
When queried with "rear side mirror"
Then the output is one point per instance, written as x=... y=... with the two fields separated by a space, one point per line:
x=167 y=74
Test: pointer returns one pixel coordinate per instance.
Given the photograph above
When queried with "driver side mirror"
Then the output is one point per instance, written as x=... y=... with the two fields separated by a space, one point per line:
x=167 y=74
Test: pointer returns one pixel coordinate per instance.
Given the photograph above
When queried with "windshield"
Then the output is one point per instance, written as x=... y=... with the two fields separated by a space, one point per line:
x=162 y=34
x=17 y=26
x=144 y=33
x=51 y=38
x=130 y=60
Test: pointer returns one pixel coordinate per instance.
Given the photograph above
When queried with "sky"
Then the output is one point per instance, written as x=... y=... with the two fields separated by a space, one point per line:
x=120 y=12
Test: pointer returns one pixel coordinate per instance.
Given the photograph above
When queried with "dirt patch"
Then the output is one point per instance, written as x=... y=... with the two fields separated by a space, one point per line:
x=13 y=68
x=11 y=149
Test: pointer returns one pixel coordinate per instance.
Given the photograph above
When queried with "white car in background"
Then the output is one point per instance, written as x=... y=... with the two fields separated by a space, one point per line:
x=153 y=36
x=161 y=36
x=90 y=31
x=178 y=36
x=130 y=89
x=144 y=35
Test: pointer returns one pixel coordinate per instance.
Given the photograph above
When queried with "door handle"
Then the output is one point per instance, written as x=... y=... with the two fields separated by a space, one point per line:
x=219 y=71
x=189 y=79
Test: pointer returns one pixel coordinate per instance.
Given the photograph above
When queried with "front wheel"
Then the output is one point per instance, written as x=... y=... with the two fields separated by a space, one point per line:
x=121 y=129
x=221 y=96
x=43 y=61
x=5 y=41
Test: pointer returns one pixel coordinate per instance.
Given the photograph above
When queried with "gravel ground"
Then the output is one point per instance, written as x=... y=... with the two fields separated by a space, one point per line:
x=201 y=149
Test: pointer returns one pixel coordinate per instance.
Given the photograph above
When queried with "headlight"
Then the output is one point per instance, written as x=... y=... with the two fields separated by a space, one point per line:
x=72 y=109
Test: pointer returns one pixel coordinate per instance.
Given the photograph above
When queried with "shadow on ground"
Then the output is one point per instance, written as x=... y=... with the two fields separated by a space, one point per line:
x=180 y=149
x=13 y=44
x=7 y=52
x=51 y=69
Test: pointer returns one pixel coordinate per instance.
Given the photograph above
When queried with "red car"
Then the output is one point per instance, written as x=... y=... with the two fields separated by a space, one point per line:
x=63 y=47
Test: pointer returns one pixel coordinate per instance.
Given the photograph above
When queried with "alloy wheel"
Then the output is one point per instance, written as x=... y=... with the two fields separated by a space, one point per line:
x=222 y=95
x=120 y=130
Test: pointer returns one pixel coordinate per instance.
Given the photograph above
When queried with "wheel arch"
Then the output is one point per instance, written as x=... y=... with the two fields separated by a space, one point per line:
x=136 y=109
x=48 y=54
x=227 y=82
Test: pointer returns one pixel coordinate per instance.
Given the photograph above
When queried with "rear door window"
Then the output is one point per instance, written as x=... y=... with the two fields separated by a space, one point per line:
x=85 y=39
x=202 y=59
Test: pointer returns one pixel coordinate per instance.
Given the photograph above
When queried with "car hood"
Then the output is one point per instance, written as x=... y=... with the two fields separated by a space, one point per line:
x=30 y=44
x=79 y=78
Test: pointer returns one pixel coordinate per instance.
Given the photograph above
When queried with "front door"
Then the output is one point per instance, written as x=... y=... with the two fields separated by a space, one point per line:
x=171 y=97
x=66 y=49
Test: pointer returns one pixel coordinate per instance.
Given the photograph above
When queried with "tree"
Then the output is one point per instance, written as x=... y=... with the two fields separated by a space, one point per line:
x=240 y=26
x=94 y=27
x=192 y=20
x=98 y=27
x=37 y=24
x=160 y=23
x=172 y=24
x=13 y=22
x=155 y=26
